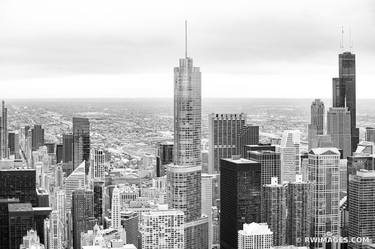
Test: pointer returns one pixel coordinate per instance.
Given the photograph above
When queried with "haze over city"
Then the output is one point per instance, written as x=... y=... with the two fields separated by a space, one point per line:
x=271 y=49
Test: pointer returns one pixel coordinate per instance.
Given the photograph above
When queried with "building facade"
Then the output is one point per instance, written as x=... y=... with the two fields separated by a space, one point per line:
x=224 y=137
x=299 y=211
x=289 y=155
x=324 y=178
x=274 y=210
x=344 y=92
x=361 y=198
x=255 y=236
x=240 y=192
x=338 y=127
x=162 y=228
x=81 y=142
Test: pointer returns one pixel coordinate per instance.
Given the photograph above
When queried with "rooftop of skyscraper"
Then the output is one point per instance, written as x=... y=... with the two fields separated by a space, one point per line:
x=255 y=229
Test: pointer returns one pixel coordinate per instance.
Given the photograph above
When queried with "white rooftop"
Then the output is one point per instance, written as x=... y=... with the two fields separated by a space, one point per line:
x=255 y=229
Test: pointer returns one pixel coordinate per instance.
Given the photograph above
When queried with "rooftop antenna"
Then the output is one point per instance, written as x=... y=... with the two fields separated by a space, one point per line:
x=185 y=38
x=342 y=38
x=350 y=40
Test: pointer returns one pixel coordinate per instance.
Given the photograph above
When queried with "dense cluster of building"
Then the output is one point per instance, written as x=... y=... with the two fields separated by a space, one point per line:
x=239 y=193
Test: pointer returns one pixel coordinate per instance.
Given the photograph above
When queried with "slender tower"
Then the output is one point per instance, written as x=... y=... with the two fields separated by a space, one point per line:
x=4 y=131
x=116 y=219
x=187 y=112
x=184 y=176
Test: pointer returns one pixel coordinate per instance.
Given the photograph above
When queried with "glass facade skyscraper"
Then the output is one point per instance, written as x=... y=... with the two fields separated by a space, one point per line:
x=344 y=92
x=240 y=192
x=187 y=114
x=81 y=142
x=184 y=176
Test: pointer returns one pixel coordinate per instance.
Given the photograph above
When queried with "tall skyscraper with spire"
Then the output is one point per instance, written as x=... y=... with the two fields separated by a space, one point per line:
x=187 y=112
x=184 y=177
x=344 y=92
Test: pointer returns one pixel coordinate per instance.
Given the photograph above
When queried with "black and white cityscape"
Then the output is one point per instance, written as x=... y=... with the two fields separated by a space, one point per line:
x=181 y=170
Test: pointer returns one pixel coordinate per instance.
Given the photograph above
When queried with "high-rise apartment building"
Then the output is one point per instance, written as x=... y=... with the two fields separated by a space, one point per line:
x=324 y=178
x=116 y=209
x=255 y=236
x=97 y=163
x=162 y=228
x=274 y=210
x=224 y=137
x=81 y=142
x=289 y=155
x=299 y=211
x=240 y=192
x=344 y=92
x=361 y=199
x=338 y=127
x=184 y=190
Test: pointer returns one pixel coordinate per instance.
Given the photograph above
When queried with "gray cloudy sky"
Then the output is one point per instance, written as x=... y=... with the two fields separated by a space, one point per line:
x=123 y=48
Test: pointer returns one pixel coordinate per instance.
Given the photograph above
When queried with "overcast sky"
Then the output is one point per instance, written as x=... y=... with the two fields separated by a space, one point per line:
x=124 y=48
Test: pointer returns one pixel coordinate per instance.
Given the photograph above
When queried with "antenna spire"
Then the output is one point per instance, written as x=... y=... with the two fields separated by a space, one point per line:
x=350 y=40
x=342 y=38
x=185 y=38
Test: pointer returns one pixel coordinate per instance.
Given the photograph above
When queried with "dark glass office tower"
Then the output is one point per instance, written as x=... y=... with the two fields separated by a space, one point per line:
x=164 y=157
x=11 y=142
x=98 y=200
x=82 y=214
x=20 y=184
x=67 y=148
x=81 y=142
x=21 y=219
x=59 y=153
x=240 y=197
x=37 y=137
x=344 y=92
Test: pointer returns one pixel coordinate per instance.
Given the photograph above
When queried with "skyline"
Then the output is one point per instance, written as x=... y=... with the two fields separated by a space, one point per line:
x=119 y=51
